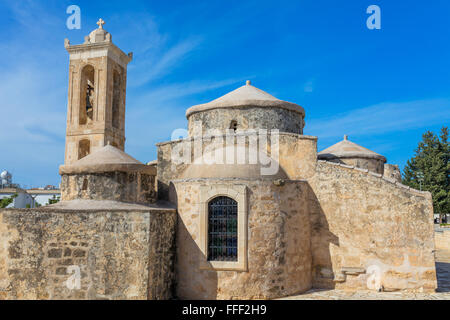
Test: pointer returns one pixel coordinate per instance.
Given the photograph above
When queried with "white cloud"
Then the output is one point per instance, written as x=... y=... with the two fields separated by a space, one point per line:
x=154 y=97
x=156 y=53
x=164 y=63
x=32 y=15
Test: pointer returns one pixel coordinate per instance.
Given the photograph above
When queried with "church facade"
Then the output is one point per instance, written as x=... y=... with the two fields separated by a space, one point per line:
x=242 y=207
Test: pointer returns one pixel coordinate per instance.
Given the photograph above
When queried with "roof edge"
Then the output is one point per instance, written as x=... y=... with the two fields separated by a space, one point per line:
x=250 y=103
x=347 y=155
x=107 y=167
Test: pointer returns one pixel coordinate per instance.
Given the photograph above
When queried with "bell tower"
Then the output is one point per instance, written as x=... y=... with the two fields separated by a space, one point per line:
x=97 y=90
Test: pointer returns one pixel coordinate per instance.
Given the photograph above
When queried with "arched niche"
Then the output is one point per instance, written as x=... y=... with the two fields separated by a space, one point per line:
x=116 y=99
x=84 y=148
x=87 y=92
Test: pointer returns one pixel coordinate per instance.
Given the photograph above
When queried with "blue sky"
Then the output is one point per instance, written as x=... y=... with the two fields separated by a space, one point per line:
x=384 y=87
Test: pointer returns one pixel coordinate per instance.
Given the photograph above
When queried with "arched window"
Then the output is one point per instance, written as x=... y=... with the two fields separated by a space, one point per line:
x=87 y=95
x=234 y=125
x=222 y=229
x=84 y=148
x=116 y=100
x=85 y=185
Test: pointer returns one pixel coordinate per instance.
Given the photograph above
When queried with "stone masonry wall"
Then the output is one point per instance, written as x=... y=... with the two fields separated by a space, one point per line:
x=392 y=171
x=249 y=118
x=131 y=187
x=297 y=157
x=442 y=239
x=279 y=256
x=125 y=254
x=373 y=165
x=365 y=227
x=100 y=130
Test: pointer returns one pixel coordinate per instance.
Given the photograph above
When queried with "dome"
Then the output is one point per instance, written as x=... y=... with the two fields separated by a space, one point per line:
x=347 y=149
x=199 y=169
x=107 y=159
x=5 y=175
x=99 y=34
x=246 y=96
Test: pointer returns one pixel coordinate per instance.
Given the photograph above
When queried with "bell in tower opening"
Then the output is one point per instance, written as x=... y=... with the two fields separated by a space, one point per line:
x=97 y=91
x=89 y=100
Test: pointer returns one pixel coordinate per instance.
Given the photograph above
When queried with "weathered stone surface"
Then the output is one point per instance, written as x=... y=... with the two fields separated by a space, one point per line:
x=373 y=165
x=132 y=187
x=392 y=171
x=359 y=220
x=245 y=108
x=442 y=239
x=121 y=254
x=248 y=118
x=106 y=123
x=297 y=159
x=443 y=292
x=279 y=257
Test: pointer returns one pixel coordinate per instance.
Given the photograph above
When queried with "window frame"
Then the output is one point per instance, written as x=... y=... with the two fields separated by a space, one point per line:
x=231 y=204
x=239 y=194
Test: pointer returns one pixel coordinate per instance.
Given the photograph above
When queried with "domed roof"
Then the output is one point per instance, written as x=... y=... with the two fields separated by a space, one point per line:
x=348 y=149
x=246 y=96
x=201 y=170
x=99 y=34
x=106 y=159
x=5 y=174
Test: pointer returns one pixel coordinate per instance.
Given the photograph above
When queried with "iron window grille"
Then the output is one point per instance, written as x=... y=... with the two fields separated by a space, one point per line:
x=222 y=229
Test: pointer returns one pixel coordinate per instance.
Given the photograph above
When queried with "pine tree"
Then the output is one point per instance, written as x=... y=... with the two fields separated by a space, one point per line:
x=429 y=169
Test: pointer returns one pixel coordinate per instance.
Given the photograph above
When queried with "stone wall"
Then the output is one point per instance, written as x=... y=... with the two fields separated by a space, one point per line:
x=100 y=130
x=248 y=118
x=120 y=254
x=132 y=187
x=442 y=239
x=373 y=165
x=297 y=158
x=366 y=227
x=279 y=256
x=392 y=171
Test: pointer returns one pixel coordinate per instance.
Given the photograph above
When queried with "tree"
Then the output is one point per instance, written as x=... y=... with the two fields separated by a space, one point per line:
x=7 y=201
x=53 y=200
x=429 y=169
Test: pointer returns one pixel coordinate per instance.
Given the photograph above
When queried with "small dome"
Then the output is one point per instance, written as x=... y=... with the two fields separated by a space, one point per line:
x=99 y=34
x=348 y=149
x=246 y=96
x=200 y=170
x=107 y=159
x=5 y=175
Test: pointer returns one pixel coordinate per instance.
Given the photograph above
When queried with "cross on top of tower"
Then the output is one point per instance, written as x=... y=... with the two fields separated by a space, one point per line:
x=100 y=23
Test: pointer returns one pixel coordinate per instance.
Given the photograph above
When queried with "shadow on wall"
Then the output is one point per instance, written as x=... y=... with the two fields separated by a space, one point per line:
x=322 y=241
x=189 y=283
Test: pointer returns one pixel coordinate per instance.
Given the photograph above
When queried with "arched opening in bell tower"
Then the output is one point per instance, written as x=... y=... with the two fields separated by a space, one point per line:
x=87 y=95
x=116 y=100
x=84 y=148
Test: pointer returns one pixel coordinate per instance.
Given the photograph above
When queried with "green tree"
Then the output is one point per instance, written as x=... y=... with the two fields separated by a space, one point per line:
x=429 y=169
x=7 y=201
x=53 y=200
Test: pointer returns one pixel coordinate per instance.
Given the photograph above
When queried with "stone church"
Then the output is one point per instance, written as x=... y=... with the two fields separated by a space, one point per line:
x=240 y=207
